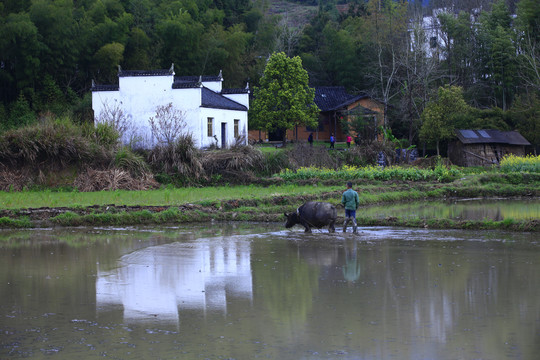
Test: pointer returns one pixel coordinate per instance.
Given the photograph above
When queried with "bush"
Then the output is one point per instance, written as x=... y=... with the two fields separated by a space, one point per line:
x=441 y=174
x=234 y=163
x=127 y=160
x=303 y=155
x=512 y=163
x=181 y=159
x=273 y=162
x=51 y=143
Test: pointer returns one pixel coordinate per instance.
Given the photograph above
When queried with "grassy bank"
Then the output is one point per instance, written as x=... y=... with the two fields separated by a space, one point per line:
x=257 y=203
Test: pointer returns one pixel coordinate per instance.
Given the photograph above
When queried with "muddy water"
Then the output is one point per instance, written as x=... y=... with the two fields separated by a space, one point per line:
x=254 y=291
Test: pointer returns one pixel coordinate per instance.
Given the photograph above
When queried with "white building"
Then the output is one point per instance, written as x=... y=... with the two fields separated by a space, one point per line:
x=212 y=115
x=428 y=32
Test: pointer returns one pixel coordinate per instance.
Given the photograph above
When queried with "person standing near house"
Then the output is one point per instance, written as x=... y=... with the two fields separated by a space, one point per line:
x=310 y=139
x=350 y=201
x=349 y=139
x=332 y=141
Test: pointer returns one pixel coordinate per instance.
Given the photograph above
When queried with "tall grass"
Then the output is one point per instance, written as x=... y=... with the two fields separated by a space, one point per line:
x=180 y=158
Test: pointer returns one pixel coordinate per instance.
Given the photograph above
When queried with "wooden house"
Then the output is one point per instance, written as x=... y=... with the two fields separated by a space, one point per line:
x=336 y=106
x=485 y=147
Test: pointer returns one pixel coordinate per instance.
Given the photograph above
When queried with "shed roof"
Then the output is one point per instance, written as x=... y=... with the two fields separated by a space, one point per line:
x=331 y=98
x=487 y=136
x=211 y=99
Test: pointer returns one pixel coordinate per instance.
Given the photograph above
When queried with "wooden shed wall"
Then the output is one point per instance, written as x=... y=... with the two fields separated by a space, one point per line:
x=481 y=154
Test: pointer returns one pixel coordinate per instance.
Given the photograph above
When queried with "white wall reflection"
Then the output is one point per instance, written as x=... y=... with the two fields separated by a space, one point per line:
x=157 y=282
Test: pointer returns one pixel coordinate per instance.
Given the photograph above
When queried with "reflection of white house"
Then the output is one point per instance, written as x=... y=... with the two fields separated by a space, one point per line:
x=214 y=116
x=157 y=282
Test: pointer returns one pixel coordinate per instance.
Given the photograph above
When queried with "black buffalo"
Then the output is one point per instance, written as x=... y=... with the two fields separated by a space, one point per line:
x=313 y=214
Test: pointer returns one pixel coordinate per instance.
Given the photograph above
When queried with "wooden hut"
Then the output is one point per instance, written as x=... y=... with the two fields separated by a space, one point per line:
x=485 y=147
x=336 y=105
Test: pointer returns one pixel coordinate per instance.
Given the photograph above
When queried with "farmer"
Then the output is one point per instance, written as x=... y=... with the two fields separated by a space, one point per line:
x=332 y=141
x=350 y=201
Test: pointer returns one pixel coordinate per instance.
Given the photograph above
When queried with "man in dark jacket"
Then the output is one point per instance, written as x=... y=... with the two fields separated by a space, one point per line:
x=350 y=201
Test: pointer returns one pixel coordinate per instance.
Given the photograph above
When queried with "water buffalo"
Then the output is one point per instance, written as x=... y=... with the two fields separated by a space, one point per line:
x=313 y=214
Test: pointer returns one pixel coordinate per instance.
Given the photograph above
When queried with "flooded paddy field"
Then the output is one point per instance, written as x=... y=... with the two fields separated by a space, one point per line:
x=460 y=209
x=247 y=291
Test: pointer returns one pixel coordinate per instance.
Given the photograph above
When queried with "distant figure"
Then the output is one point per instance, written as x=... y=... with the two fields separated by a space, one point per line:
x=310 y=139
x=332 y=141
x=349 y=139
x=350 y=201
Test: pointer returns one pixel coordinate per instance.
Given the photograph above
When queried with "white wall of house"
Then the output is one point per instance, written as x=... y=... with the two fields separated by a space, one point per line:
x=139 y=96
x=215 y=86
x=239 y=98
x=223 y=126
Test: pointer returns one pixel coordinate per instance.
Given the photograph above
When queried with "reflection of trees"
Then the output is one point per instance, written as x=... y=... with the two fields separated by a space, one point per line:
x=286 y=285
x=466 y=210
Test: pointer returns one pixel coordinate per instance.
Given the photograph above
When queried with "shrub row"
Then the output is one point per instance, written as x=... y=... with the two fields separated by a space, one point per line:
x=439 y=173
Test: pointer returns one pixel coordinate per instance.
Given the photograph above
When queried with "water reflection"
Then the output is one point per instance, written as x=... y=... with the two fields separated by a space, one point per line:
x=268 y=293
x=462 y=209
x=156 y=282
x=351 y=268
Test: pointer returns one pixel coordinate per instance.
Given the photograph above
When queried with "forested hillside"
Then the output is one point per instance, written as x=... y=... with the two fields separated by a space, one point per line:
x=51 y=50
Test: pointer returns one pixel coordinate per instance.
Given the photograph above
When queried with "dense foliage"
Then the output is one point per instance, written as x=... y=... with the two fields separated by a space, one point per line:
x=51 y=50
x=284 y=99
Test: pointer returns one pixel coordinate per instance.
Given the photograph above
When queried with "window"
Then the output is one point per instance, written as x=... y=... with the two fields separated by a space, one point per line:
x=236 y=130
x=433 y=42
x=210 y=126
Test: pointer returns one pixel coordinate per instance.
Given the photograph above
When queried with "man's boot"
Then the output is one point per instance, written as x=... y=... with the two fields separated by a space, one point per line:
x=354 y=226
x=345 y=225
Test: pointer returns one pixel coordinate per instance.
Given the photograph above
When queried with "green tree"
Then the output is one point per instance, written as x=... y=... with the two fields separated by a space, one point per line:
x=499 y=57
x=525 y=113
x=59 y=38
x=225 y=50
x=19 y=55
x=439 y=117
x=20 y=114
x=136 y=55
x=107 y=60
x=459 y=48
x=528 y=25
x=179 y=38
x=284 y=98
x=386 y=37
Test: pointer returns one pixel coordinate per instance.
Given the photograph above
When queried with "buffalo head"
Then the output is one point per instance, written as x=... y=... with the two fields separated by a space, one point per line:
x=292 y=219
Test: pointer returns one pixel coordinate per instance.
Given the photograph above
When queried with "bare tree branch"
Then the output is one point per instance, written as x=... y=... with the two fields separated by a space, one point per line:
x=168 y=124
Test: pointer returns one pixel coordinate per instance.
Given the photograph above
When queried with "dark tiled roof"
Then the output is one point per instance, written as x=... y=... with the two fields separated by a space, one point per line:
x=104 y=88
x=125 y=73
x=195 y=78
x=330 y=98
x=185 y=85
x=490 y=136
x=214 y=100
x=235 y=91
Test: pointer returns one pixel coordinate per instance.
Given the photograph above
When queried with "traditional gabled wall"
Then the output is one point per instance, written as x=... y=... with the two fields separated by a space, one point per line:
x=139 y=95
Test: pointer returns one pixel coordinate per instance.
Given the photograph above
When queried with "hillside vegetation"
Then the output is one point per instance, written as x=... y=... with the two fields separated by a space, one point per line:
x=51 y=51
